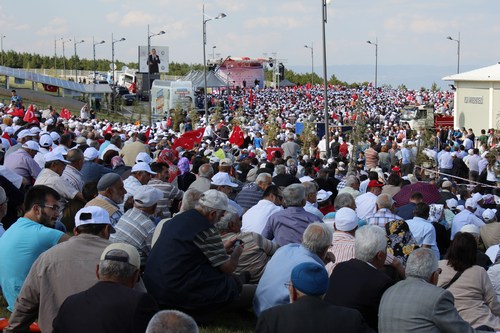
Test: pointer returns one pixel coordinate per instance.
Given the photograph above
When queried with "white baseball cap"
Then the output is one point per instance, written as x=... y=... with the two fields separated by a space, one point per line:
x=31 y=145
x=46 y=141
x=55 y=156
x=132 y=255
x=489 y=214
x=147 y=196
x=143 y=157
x=24 y=133
x=93 y=215
x=143 y=166
x=223 y=179
x=91 y=154
x=214 y=199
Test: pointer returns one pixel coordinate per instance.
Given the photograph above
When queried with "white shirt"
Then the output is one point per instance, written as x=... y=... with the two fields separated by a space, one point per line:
x=109 y=147
x=424 y=233
x=492 y=252
x=40 y=157
x=131 y=184
x=366 y=205
x=255 y=219
x=463 y=218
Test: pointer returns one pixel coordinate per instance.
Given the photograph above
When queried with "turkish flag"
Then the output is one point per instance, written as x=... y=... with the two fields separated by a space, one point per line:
x=16 y=112
x=65 y=113
x=236 y=136
x=6 y=136
x=108 y=129
x=29 y=116
x=188 y=139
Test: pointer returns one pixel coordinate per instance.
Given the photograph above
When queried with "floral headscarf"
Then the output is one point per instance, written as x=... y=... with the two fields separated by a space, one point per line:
x=117 y=161
x=183 y=165
x=400 y=240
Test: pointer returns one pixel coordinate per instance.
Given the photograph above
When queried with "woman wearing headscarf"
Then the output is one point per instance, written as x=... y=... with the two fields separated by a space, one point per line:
x=400 y=241
x=186 y=177
x=167 y=155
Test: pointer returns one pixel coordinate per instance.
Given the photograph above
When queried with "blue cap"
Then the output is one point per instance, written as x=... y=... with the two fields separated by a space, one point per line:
x=310 y=278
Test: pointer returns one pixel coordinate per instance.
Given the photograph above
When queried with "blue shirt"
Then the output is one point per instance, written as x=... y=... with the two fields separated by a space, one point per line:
x=405 y=156
x=287 y=226
x=92 y=172
x=271 y=290
x=20 y=246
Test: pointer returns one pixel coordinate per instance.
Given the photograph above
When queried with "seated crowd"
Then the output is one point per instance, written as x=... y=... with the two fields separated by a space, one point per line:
x=118 y=234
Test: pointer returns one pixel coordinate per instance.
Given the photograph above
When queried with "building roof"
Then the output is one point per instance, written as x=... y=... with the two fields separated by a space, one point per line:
x=490 y=73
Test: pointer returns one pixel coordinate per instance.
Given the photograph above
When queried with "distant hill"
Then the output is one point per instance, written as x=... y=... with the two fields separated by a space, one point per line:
x=412 y=76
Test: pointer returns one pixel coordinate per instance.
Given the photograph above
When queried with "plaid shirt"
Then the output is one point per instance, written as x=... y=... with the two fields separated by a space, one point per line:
x=381 y=217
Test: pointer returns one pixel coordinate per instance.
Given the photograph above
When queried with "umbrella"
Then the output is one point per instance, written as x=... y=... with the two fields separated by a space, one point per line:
x=428 y=190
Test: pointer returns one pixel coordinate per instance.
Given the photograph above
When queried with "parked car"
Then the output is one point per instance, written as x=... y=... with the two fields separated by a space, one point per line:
x=128 y=99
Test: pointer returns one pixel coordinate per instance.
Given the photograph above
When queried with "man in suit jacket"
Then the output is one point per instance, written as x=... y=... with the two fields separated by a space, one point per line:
x=416 y=304
x=307 y=312
x=358 y=283
x=111 y=305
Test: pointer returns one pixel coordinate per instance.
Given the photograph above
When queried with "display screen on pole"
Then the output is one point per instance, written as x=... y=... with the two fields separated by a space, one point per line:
x=161 y=51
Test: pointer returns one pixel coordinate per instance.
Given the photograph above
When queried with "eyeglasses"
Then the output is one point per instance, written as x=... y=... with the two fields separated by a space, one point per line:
x=3 y=203
x=53 y=207
x=439 y=271
x=287 y=285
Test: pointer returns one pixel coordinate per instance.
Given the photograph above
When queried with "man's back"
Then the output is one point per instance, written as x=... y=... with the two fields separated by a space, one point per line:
x=287 y=226
x=291 y=149
x=357 y=285
x=130 y=151
x=255 y=218
x=107 y=307
x=310 y=314
x=413 y=305
x=45 y=290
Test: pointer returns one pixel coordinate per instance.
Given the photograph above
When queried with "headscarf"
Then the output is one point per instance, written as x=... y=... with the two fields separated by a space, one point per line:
x=183 y=165
x=117 y=161
x=168 y=156
x=400 y=241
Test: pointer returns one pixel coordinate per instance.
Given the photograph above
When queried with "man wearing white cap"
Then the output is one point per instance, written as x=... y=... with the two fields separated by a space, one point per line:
x=190 y=268
x=223 y=183
x=44 y=290
x=345 y=226
x=23 y=136
x=51 y=177
x=141 y=175
x=466 y=217
x=91 y=170
x=112 y=304
x=22 y=161
x=45 y=143
x=490 y=232
x=137 y=225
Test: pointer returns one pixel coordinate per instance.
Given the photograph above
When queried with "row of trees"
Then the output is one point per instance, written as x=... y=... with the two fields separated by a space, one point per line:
x=32 y=60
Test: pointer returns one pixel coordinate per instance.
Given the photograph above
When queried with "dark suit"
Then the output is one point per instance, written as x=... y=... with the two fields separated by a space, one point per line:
x=310 y=314
x=357 y=285
x=107 y=307
x=414 y=305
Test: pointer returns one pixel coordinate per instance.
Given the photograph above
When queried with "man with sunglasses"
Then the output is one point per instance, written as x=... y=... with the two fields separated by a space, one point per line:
x=27 y=238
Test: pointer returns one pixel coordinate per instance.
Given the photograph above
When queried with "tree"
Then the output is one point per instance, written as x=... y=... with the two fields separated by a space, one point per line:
x=435 y=87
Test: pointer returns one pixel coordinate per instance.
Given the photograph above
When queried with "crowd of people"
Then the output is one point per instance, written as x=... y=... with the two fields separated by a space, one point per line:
x=108 y=227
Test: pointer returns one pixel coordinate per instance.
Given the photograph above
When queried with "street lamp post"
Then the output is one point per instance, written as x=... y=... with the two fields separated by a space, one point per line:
x=312 y=61
x=325 y=82
x=55 y=54
x=113 y=66
x=94 y=44
x=376 y=58
x=76 y=57
x=64 y=56
x=458 y=50
x=205 y=20
x=213 y=51
x=1 y=44
x=149 y=79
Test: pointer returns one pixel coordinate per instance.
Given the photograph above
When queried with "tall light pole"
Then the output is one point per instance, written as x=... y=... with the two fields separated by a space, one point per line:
x=1 y=44
x=458 y=50
x=55 y=54
x=207 y=18
x=94 y=44
x=213 y=51
x=325 y=82
x=113 y=42
x=76 y=58
x=312 y=61
x=149 y=79
x=376 y=58
x=64 y=56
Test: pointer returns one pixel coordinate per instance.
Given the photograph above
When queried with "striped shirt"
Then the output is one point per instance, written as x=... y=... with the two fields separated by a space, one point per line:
x=73 y=177
x=342 y=247
x=210 y=243
x=249 y=196
x=135 y=228
x=170 y=193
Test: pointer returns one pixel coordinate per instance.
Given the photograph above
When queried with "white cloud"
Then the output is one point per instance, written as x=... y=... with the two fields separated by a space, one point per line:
x=281 y=22
x=135 y=18
x=56 y=26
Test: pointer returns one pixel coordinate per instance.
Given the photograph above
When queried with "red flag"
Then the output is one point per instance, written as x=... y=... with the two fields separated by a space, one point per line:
x=108 y=129
x=236 y=136
x=29 y=116
x=16 y=112
x=6 y=136
x=188 y=139
x=65 y=113
x=250 y=98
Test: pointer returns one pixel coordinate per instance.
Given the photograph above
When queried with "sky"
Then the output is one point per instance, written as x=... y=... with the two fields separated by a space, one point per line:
x=411 y=35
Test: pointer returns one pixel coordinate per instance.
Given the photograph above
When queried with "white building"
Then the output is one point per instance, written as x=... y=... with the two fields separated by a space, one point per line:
x=477 y=98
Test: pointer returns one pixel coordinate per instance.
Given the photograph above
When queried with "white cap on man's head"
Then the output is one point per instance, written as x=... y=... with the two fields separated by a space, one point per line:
x=147 y=196
x=223 y=179
x=31 y=145
x=24 y=133
x=143 y=157
x=55 y=156
x=470 y=203
x=346 y=219
x=92 y=215
x=214 y=199
x=143 y=166
x=489 y=215
x=132 y=255
x=90 y=154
